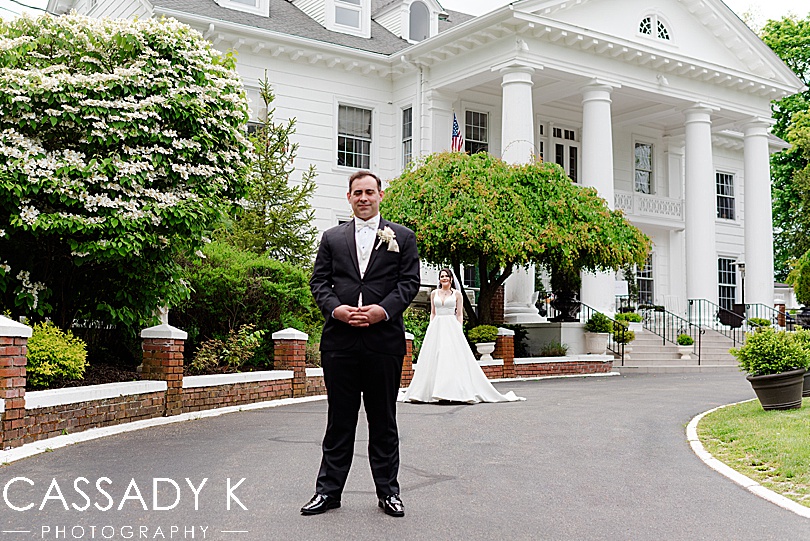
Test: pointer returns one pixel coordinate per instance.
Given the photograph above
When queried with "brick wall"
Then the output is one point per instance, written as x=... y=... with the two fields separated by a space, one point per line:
x=236 y=394
x=562 y=368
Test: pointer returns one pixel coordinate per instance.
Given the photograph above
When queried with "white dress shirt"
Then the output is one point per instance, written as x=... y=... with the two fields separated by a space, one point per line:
x=365 y=233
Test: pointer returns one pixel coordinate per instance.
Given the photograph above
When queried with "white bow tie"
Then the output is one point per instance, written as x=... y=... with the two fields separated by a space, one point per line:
x=360 y=224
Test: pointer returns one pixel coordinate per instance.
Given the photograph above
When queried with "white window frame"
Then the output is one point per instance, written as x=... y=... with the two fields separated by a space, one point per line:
x=652 y=278
x=553 y=141
x=364 y=13
x=653 y=168
x=656 y=18
x=733 y=273
x=260 y=7
x=481 y=110
x=733 y=197
x=403 y=138
x=375 y=131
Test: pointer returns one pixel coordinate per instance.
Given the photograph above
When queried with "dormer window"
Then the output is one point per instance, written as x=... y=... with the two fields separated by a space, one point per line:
x=653 y=26
x=349 y=17
x=258 y=7
x=419 y=22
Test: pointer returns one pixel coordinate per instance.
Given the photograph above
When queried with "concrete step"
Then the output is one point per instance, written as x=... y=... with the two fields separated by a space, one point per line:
x=625 y=370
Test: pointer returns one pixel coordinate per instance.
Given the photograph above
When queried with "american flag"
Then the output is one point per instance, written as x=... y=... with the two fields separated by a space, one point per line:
x=457 y=142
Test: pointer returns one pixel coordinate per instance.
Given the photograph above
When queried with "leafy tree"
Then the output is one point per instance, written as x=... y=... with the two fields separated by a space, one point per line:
x=789 y=38
x=480 y=211
x=277 y=219
x=120 y=145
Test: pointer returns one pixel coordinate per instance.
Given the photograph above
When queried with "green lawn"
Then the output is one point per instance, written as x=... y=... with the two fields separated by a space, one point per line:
x=771 y=447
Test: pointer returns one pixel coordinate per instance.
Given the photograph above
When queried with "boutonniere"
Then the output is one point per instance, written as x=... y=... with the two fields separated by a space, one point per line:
x=387 y=235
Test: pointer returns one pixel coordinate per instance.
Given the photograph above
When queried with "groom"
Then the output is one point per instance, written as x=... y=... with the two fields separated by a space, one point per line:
x=365 y=275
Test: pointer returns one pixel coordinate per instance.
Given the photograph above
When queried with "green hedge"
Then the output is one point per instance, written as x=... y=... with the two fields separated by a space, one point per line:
x=232 y=288
x=54 y=354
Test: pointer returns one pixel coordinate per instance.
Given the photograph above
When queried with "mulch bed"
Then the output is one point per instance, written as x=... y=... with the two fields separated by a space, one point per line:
x=96 y=374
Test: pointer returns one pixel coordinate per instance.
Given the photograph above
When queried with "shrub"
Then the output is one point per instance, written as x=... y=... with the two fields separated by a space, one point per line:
x=416 y=322
x=631 y=317
x=758 y=322
x=685 y=340
x=800 y=278
x=554 y=349
x=233 y=287
x=483 y=333
x=229 y=355
x=599 y=322
x=769 y=351
x=54 y=354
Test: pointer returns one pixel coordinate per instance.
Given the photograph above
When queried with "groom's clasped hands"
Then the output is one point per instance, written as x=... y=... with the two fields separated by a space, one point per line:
x=362 y=316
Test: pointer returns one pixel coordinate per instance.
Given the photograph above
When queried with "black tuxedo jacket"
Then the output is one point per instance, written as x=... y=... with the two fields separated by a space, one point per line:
x=391 y=280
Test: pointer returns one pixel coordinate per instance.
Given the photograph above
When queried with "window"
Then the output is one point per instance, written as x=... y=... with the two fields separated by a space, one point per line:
x=471 y=278
x=643 y=168
x=566 y=151
x=419 y=22
x=259 y=7
x=651 y=24
x=541 y=145
x=407 y=136
x=725 y=196
x=347 y=13
x=727 y=280
x=354 y=137
x=476 y=132
x=644 y=281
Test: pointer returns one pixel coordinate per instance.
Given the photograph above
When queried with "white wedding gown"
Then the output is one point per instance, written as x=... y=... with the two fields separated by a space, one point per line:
x=446 y=368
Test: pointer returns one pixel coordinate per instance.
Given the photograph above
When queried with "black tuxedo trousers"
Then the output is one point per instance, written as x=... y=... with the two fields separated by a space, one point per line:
x=348 y=376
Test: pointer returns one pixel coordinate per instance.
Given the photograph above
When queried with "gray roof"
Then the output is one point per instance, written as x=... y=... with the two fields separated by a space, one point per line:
x=285 y=18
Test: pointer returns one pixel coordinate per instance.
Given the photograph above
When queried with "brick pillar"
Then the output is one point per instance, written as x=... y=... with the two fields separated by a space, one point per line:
x=497 y=307
x=505 y=349
x=407 y=362
x=290 y=353
x=13 y=358
x=163 y=361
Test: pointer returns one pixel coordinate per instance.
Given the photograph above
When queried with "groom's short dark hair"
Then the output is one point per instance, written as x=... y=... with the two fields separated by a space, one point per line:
x=363 y=173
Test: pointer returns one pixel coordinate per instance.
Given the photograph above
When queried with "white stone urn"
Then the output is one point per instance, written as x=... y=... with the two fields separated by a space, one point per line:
x=485 y=349
x=635 y=326
x=596 y=343
x=685 y=352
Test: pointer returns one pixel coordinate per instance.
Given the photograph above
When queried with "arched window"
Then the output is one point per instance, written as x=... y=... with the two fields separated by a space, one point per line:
x=419 y=22
x=653 y=26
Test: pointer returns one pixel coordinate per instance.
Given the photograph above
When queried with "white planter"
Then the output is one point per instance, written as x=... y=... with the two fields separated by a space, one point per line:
x=596 y=343
x=627 y=350
x=686 y=352
x=485 y=349
x=636 y=327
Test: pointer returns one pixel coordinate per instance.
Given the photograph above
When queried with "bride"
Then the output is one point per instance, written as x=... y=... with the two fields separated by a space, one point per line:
x=446 y=367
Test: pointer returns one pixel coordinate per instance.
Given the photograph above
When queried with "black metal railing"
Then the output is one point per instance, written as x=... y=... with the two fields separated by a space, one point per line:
x=712 y=316
x=776 y=317
x=669 y=326
x=616 y=339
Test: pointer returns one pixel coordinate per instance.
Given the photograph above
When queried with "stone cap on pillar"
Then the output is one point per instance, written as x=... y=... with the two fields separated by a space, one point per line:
x=408 y=336
x=11 y=328
x=290 y=334
x=164 y=331
x=505 y=332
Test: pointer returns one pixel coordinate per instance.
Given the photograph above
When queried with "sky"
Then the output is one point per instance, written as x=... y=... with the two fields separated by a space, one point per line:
x=761 y=10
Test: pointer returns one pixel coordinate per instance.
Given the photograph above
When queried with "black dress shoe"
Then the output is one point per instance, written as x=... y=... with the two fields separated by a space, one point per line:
x=392 y=505
x=320 y=503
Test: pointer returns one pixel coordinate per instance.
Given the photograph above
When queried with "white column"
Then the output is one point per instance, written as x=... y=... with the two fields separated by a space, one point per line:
x=598 y=290
x=758 y=215
x=701 y=211
x=517 y=123
x=440 y=117
x=517 y=142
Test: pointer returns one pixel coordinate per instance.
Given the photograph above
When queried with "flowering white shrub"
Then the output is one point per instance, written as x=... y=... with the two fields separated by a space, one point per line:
x=121 y=145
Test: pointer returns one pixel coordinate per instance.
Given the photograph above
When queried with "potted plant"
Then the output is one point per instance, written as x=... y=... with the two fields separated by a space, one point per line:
x=686 y=345
x=623 y=335
x=632 y=319
x=483 y=336
x=776 y=362
x=802 y=336
x=597 y=329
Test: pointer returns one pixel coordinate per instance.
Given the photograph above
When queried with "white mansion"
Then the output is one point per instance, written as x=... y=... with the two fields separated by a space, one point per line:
x=663 y=106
